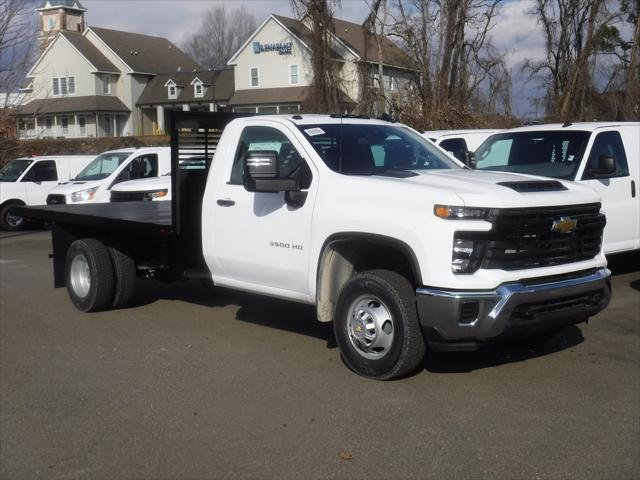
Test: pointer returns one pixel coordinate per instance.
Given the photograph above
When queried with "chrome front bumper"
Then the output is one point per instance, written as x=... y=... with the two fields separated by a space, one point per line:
x=463 y=320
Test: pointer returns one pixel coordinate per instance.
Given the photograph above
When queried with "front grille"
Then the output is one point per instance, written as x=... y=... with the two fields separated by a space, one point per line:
x=587 y=300
x=56 y=199
x=127 y=196
x=523 y=238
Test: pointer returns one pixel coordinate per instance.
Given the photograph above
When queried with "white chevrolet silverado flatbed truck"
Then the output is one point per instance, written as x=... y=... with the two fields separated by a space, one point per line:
x=400 y=246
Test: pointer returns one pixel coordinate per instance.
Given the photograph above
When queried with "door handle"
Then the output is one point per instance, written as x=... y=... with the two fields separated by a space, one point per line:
x=225 y=202
x=633 y=188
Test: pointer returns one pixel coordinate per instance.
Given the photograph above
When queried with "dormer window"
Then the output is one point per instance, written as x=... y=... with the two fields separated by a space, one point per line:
x=198 y=88
x=172 y=90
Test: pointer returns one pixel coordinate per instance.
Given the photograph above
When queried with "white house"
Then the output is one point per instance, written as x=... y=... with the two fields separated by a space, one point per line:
x=273 y=69
x=88 y=81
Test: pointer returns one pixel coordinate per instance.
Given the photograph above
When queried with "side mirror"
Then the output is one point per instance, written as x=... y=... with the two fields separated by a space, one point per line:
x=471 y=159
x=261 y=173
x=606 y=166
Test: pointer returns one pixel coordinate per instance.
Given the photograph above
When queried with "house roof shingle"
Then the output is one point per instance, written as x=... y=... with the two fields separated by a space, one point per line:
x=275 y=96
x=156 y=91
x=90 y=52
x=99 y=103
x=145 y=53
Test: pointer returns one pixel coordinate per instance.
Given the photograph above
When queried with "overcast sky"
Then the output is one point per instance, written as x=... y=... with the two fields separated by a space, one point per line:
x=517 y=33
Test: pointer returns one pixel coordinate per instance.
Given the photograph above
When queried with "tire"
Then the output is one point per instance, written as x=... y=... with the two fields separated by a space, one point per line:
x=11 y=223
x=124 y=277
x=89 y=275
x=381 y=303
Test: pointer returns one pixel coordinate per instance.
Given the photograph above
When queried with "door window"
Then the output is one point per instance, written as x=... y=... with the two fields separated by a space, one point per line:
x=457 y=146
x=608 y=143
x=144 y=166
x=43 y=171
x=291 y=163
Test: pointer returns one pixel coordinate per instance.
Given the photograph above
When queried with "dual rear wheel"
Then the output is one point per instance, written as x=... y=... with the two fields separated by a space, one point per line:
x=99 y=277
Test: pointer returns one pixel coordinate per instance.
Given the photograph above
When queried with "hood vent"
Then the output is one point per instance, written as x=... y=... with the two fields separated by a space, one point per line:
x=535 y=186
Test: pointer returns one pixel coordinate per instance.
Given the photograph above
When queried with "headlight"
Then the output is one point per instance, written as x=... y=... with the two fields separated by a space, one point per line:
x=84 y=195
x=467 y=255
x=154 y=195
x=460 y=213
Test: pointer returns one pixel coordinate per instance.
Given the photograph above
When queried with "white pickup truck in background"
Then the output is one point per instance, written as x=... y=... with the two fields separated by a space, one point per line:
x=605 y=156
x=28 y=181
x=459 y=143
x=94 y=183
x=396 y=243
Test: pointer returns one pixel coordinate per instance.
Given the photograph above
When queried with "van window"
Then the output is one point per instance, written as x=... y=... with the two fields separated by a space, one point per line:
x=608 y=143
x=43 y=171
x=553 y=153
x=102 y=166
x=292 y=165
x=457 y=146
x=144 y=166
x=12 y=170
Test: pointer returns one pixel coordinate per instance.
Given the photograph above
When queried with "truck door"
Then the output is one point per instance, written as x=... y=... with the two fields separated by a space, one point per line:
x=618 y=202
x=260 y=240
x=39 y=180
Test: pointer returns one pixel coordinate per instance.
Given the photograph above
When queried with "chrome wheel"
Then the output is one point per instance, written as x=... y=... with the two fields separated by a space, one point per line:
x=14 y=221
x=80 y=276
x=370 y=327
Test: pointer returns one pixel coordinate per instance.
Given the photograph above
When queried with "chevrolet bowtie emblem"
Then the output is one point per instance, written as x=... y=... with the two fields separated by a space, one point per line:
x=564 y=225
x=358 y=329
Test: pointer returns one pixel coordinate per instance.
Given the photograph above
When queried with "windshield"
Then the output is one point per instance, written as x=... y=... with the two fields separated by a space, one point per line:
x=370 y=149
x=103 y=166
x=554 y=154
x=12 y=170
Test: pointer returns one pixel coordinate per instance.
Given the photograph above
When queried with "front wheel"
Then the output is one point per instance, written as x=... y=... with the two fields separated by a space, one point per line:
x=9 y=221
x=376 y=325
x=89 y=275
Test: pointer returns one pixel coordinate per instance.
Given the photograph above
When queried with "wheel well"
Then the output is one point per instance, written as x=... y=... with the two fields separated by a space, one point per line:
x=13 y=201
x=341 y=259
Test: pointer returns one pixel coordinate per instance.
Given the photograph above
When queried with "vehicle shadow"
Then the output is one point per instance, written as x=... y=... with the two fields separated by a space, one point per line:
x=622 y=263
x=495 y=355
x=260 y=310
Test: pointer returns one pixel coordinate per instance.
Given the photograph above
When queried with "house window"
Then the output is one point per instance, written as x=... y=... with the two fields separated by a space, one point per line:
x=108 y=126
x=293 y=74
x=173 y=91
x=198 y=91
x=254 y=77
x=65 y=126
x=63 y=86
x=106 y=85
x=82 y=123
x=48 y=123
x=389 y=83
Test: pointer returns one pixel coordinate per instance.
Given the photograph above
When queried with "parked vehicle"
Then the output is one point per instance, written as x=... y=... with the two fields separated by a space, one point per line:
x=28 y=181
x=604 y=156
x=154 y=189
x=393 y=240
x=460 y=143
x=93 y=184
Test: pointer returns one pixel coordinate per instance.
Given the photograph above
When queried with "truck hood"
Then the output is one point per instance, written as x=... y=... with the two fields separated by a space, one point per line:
x=70 y=187
x=144 y=185
x=482 y=189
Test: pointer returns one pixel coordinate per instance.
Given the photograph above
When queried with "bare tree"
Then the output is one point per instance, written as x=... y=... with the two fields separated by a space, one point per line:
x=221 y=33
x=324 y=97
x=18 y=47
x=460 y=73
x=575 y=33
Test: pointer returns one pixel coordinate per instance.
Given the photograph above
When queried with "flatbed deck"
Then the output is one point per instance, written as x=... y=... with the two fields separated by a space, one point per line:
x=140 y=217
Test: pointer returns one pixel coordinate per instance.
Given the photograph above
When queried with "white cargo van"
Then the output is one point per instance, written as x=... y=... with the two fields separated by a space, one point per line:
x=94 y=183
x=603 y=155
x=28 y=181
x=459 y=143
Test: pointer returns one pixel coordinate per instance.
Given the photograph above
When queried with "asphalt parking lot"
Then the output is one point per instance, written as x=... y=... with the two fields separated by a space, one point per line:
x=195 y=385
